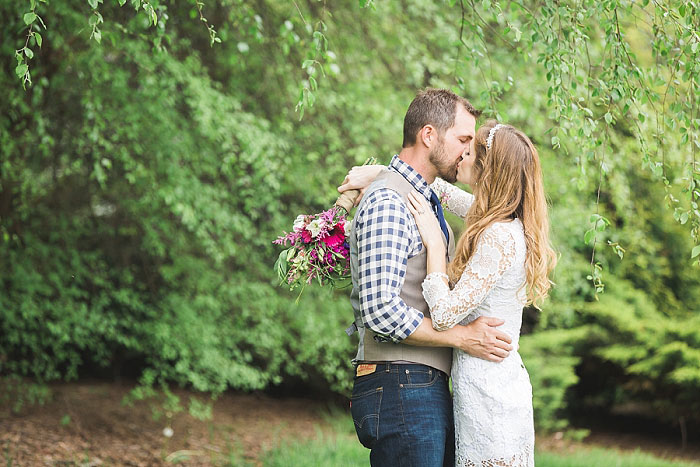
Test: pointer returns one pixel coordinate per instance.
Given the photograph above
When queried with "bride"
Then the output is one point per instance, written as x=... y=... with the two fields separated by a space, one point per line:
x=502 y=263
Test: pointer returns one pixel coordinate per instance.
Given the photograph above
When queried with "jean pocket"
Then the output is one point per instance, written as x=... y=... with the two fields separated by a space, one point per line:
x=365 y=415
x=420 y=378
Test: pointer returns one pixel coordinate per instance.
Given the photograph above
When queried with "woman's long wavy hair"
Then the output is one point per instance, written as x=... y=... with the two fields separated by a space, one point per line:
x=509 y=185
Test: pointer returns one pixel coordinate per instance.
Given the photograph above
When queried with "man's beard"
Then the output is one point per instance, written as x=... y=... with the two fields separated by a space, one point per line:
x=438 y=157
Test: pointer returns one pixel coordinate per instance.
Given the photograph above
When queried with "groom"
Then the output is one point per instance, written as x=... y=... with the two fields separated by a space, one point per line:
x=401 y=403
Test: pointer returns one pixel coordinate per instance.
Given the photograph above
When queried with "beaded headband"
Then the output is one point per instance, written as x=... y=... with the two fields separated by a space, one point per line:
x=492 y=132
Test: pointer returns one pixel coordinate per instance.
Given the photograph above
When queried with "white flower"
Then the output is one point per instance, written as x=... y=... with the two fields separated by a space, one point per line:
x=168 y=432
x=314 y=227
x=299 y=222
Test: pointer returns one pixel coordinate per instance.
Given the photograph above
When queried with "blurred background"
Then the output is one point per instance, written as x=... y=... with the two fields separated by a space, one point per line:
x=151 y=151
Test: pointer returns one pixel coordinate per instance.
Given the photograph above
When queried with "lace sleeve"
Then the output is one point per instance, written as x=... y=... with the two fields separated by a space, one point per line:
x=494 y=255
x=453 y=199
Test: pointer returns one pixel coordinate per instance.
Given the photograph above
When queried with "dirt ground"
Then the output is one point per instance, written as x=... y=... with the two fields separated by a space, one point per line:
x=102 y=431
x=85 y=424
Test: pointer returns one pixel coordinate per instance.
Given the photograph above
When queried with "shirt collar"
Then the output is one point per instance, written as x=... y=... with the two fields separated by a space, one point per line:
x=410 y=174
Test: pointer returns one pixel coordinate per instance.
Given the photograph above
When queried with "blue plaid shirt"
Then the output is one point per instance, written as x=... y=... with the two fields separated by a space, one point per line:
x=387 y=236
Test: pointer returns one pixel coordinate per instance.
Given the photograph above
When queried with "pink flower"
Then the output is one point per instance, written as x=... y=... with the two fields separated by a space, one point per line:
x=306 y=236
x=334 y=239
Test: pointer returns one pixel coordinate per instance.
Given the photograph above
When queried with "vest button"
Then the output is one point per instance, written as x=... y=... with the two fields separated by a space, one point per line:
x=406 y=371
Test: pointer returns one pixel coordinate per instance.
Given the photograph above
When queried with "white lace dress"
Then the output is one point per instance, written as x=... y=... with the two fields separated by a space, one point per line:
x=492 y=401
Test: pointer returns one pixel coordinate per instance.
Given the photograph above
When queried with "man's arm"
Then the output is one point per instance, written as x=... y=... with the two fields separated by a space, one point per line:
x=480 y=338
x=384 y=243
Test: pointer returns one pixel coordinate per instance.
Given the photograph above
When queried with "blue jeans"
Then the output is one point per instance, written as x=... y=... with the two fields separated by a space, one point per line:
x=403 y=413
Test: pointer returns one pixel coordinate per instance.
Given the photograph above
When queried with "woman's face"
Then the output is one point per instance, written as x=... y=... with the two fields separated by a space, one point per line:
x=465 y=167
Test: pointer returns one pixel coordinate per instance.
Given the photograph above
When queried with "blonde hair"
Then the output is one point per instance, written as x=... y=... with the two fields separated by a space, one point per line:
x=509 y=185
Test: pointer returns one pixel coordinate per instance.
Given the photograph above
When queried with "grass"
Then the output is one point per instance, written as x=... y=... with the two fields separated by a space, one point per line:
x=593 y=457
x=338 y=447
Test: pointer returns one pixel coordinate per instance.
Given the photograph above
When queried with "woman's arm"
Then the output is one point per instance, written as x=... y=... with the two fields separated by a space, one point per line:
x=359 y=178
x=494 y=255
x=454 y=199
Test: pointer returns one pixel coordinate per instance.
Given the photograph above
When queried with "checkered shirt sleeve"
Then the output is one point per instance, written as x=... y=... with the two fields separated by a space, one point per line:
x=386 y=236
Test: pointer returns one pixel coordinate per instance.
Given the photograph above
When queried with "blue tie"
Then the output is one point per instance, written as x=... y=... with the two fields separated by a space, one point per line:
x=437 y=208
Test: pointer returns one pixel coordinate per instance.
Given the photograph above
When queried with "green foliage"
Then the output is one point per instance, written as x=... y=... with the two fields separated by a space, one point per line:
x=144 y=174
x=18 y=393
x=549 y=360
x=658 y=358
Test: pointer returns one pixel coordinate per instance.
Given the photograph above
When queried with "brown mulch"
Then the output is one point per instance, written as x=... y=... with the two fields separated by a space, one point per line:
x=102 y=431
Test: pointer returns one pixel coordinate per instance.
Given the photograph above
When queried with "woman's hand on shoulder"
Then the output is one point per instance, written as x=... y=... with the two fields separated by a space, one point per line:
x=359 y=178
x=427 y=222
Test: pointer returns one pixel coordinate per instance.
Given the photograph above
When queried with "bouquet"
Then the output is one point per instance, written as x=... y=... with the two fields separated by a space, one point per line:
x=319 y=246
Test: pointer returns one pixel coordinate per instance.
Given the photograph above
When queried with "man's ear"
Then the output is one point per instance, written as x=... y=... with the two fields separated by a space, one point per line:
x=428 y=135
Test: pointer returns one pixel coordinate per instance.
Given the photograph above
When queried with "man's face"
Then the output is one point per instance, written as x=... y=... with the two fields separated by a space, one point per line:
x=457 y=141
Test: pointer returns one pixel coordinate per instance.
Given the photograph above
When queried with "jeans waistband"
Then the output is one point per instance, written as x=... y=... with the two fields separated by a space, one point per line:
x=393 y=367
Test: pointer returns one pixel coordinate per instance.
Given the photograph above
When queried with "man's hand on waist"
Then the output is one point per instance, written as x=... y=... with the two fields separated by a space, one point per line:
x=482 y=339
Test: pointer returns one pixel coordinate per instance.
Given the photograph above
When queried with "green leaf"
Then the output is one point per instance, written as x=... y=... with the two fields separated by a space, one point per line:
x=518 y=34
x=28 y=52
x=21 y=70
x=281 y=265
x=29 y=18
x=122 y=2
x=588 y=236
x=695 y=252
x=38 y=39
x=93 y=4
x=608 y=117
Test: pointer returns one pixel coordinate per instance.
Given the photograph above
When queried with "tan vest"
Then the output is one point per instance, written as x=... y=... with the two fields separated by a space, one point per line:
x=369 y=350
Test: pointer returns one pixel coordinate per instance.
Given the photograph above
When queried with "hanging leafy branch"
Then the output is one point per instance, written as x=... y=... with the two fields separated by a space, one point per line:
x=32 y=20
x=154 y=11
x=591 y=91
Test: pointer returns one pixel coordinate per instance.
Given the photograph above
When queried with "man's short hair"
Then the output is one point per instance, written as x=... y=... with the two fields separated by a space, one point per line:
x=436 y=107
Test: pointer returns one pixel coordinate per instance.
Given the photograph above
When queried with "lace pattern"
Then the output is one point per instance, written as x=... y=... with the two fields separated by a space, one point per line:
x=492 y=401
x=453 y=199
x=494 y=255
x=521 y=459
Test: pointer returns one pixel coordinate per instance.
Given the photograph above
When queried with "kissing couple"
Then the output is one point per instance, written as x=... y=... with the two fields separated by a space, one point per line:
x=427 y=311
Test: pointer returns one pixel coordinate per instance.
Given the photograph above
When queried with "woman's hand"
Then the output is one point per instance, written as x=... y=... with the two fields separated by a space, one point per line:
x=359 y=178
x=428 y=225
